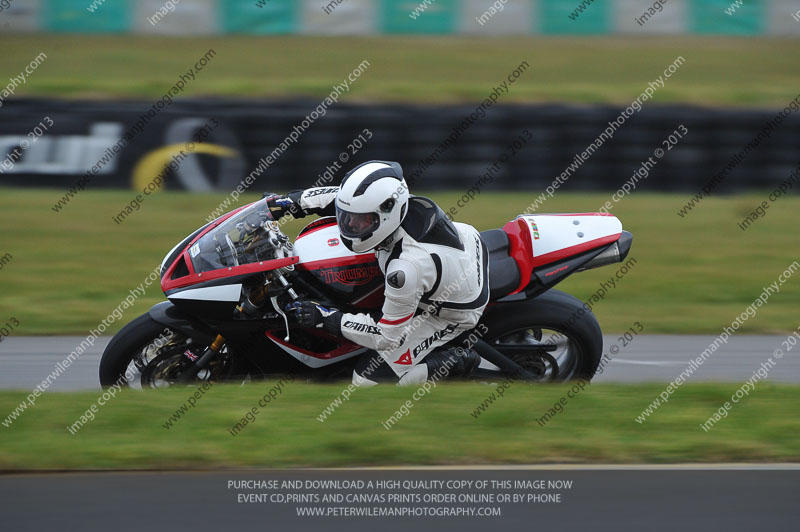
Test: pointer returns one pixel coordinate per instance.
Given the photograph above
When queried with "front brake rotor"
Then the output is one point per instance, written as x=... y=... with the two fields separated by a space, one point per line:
x=164 y=370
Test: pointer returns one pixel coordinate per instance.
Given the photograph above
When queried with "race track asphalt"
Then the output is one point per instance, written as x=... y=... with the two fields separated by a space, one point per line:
x=26 y=361
x=621 y=498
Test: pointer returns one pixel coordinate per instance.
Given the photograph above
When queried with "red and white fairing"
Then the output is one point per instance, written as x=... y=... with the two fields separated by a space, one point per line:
x=323 y=243
x=559 y=236
x=322 y=255
x=320 y=252
x=541 y=239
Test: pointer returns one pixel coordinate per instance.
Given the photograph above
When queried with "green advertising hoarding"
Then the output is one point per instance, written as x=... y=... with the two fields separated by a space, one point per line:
x=262 y=17
x=419 y=16
x=87 y=16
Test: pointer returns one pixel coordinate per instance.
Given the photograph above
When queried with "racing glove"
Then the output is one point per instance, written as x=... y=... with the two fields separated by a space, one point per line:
x=280 y=205
x=313 y=314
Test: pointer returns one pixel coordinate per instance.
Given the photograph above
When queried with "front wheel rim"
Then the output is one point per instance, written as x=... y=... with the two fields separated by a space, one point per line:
x=148 y=354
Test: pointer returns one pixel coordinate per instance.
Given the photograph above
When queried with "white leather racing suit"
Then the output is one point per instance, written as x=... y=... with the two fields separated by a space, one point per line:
x=436 y=285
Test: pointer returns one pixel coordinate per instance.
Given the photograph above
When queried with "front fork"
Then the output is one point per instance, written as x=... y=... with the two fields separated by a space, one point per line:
x=211 y=351
x=219 y=342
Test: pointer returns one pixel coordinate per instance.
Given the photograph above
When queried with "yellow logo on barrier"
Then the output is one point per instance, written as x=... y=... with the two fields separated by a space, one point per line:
x=152 y=168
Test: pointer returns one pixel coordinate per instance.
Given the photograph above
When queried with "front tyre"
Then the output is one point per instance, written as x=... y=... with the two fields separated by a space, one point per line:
x=552 y=336
x=146 y=354
x=131 y=350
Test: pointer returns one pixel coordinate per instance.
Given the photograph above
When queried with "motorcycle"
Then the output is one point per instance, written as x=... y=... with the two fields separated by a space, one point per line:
x=227 y=285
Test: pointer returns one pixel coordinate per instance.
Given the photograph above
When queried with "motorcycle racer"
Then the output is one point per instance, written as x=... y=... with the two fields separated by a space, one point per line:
x=436 y=275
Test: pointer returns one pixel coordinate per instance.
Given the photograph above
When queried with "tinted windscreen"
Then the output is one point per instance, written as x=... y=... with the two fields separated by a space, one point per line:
x=246 y=237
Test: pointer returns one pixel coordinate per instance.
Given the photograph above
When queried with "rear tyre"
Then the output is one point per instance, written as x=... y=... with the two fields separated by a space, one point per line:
x=552 y=335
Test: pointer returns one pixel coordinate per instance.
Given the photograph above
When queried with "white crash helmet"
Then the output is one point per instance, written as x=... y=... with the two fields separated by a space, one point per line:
x=371 y=204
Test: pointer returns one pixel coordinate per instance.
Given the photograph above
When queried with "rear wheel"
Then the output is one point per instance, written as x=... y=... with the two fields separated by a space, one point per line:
x=553 y=336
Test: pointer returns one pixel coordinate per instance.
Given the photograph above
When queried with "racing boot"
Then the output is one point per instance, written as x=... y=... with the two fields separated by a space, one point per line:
x=451 y=362
x=440 y=364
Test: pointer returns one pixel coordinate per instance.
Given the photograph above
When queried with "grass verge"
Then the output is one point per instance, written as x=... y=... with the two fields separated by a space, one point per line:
x=596 y=426
x=718 y=70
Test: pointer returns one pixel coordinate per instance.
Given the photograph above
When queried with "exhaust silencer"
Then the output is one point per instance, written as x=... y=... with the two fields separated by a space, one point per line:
x=616 y=252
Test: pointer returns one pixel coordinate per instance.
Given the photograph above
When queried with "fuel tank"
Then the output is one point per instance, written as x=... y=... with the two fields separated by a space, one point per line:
x=344 y=276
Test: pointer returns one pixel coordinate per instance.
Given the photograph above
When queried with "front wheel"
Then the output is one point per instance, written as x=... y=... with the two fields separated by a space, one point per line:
x=145 y=354
x=553 y=336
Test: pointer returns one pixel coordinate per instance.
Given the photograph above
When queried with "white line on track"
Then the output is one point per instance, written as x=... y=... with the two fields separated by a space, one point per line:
x=649 y=362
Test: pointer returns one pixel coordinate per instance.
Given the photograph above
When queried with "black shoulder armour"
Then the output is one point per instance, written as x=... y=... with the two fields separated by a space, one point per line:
x=427 y=223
